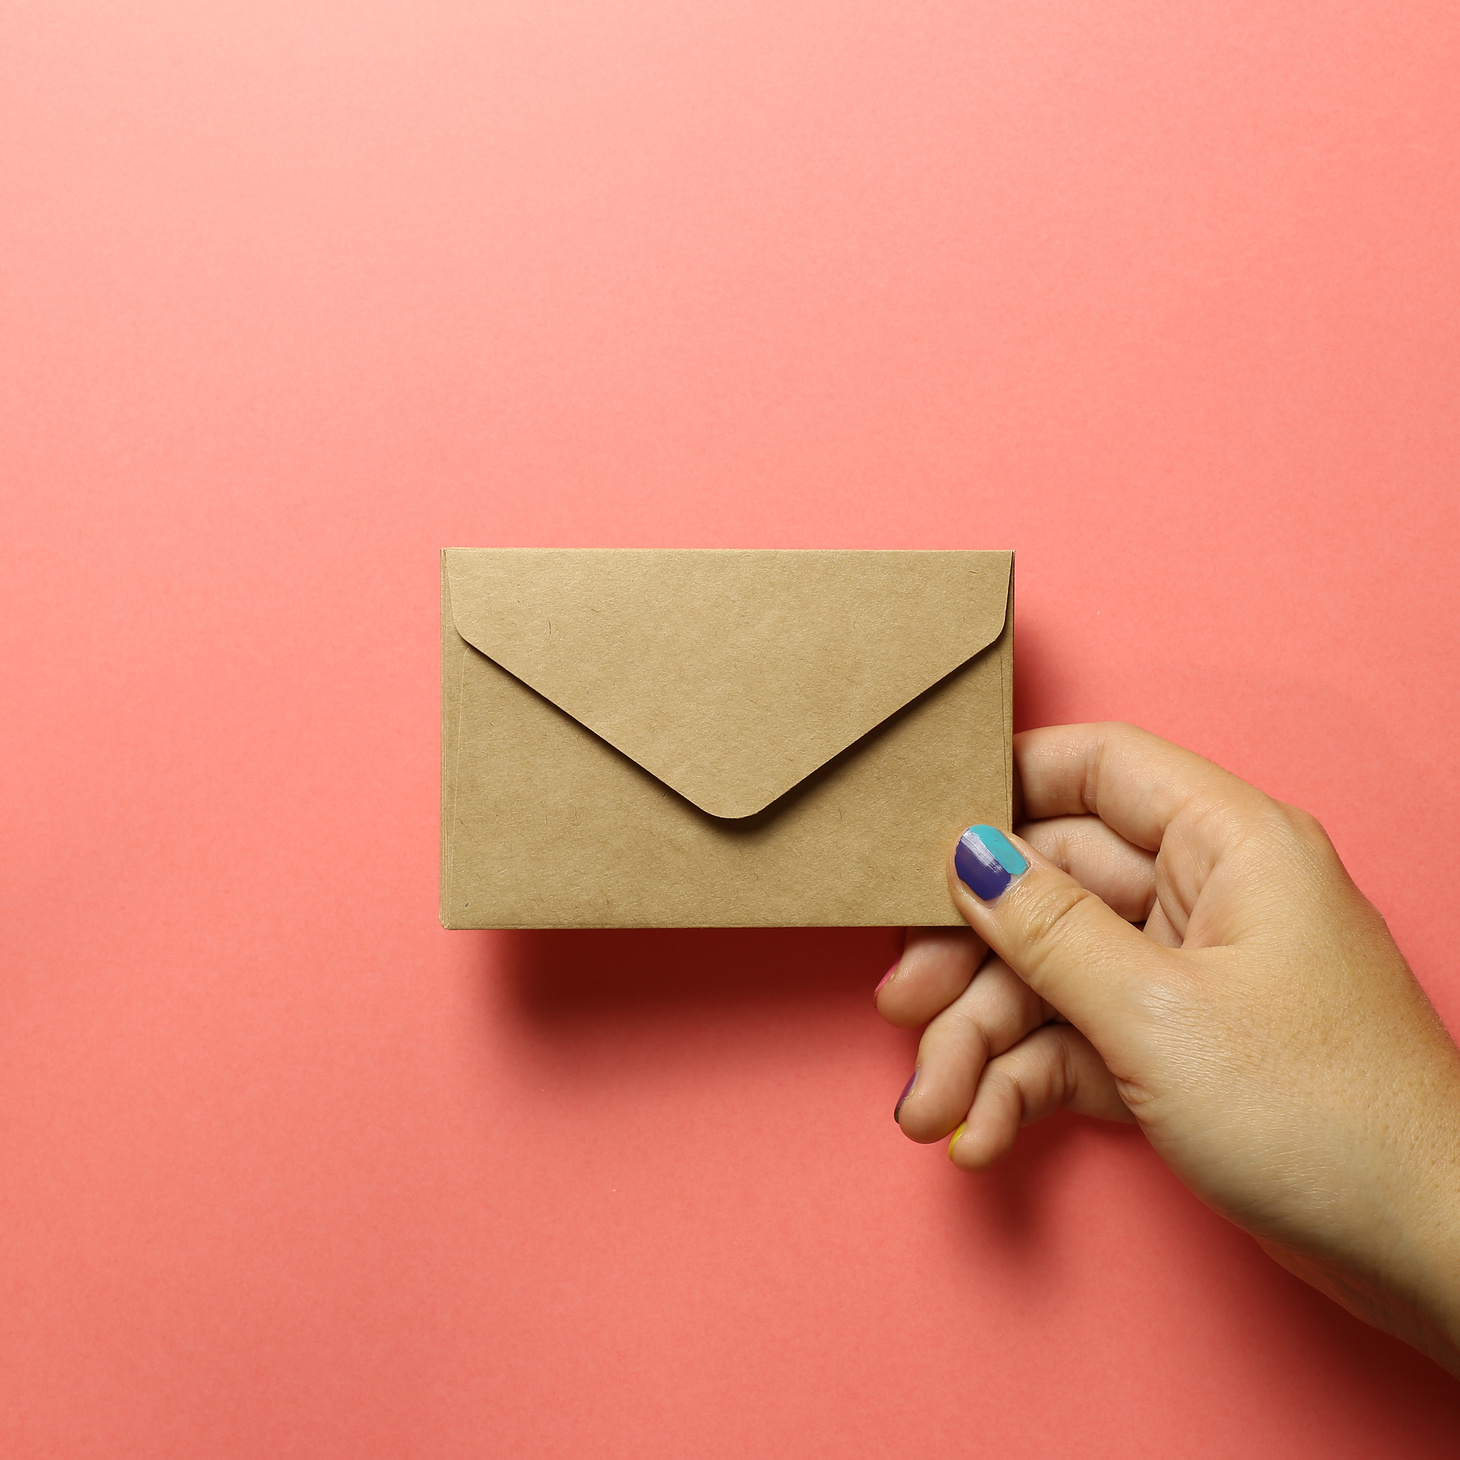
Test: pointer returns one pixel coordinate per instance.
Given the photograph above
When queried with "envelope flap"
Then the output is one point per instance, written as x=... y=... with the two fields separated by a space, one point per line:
x=730 y=675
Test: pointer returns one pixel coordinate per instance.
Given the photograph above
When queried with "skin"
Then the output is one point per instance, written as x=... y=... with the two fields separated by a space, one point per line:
x=1186 y=953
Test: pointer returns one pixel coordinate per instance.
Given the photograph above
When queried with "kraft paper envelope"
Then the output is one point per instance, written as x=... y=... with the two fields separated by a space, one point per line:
x=667 y=738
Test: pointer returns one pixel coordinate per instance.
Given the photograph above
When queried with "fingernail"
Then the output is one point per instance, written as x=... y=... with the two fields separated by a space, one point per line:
x=883 y=980
x=953 y=1139
x=987 y=861
x=906 y=1091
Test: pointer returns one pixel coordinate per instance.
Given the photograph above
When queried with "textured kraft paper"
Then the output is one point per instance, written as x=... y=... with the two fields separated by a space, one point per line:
x=718 y=738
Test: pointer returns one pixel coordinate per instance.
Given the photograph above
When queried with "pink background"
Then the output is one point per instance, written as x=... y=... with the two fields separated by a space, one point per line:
x=296 y=292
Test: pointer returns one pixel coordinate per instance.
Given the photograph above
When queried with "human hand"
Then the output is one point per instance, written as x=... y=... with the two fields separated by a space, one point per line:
x=1261 y=1027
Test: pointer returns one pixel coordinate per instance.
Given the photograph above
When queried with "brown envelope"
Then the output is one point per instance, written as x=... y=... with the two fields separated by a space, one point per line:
x=667 y=738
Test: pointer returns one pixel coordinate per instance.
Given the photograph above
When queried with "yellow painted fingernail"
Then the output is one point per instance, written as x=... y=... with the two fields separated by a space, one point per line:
x=953 y=1139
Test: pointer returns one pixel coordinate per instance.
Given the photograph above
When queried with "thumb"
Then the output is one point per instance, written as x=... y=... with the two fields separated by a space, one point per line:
x=1059 y=937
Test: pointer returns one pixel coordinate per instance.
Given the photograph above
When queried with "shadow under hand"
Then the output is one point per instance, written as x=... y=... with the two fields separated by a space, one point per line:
x=1009 y=1207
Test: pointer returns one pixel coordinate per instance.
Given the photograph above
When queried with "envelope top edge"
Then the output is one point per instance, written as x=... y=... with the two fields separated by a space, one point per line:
x=730 y=675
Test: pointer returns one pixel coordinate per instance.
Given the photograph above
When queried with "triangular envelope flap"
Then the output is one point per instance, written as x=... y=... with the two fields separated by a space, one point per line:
x=730 y=675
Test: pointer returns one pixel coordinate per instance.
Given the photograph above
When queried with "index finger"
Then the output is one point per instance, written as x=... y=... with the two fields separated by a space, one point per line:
x=1135 y=782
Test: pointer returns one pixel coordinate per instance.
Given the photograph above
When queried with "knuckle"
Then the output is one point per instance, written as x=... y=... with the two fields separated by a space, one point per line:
x=1002 y=1087
x=1039 y=1073
x=964 y=1030
x=1006 y=1011
x=1266 y=828
x=1058 y=922
x=1307 y=828
x=1050 y=839
x=1299 y=836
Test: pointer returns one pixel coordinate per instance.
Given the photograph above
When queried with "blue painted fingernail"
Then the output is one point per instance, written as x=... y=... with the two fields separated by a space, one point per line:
x=906 y=1091
x=987 y=861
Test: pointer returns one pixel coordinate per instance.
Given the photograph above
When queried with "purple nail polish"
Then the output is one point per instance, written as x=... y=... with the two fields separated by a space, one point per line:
x=906 y=1091
x=987 y=861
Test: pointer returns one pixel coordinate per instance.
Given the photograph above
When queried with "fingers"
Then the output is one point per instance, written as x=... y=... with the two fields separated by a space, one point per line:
x=1060 y=938
x=1132 y=780
x=937 y=964
x=992 y=1015
x=1120 y=875
x=1055 y=1067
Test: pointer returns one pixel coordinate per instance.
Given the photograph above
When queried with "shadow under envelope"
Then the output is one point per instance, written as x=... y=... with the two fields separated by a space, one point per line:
x=563 y=977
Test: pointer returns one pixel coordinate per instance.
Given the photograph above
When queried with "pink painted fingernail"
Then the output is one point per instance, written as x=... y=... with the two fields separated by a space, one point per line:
x=881 y=981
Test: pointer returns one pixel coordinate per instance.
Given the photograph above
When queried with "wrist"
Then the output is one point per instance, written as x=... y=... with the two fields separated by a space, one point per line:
x=1421 y=1301
x=1436 y=1278
x=1395 y=1262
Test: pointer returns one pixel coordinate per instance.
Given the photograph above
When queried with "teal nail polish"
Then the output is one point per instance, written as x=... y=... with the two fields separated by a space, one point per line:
x=987 y=861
